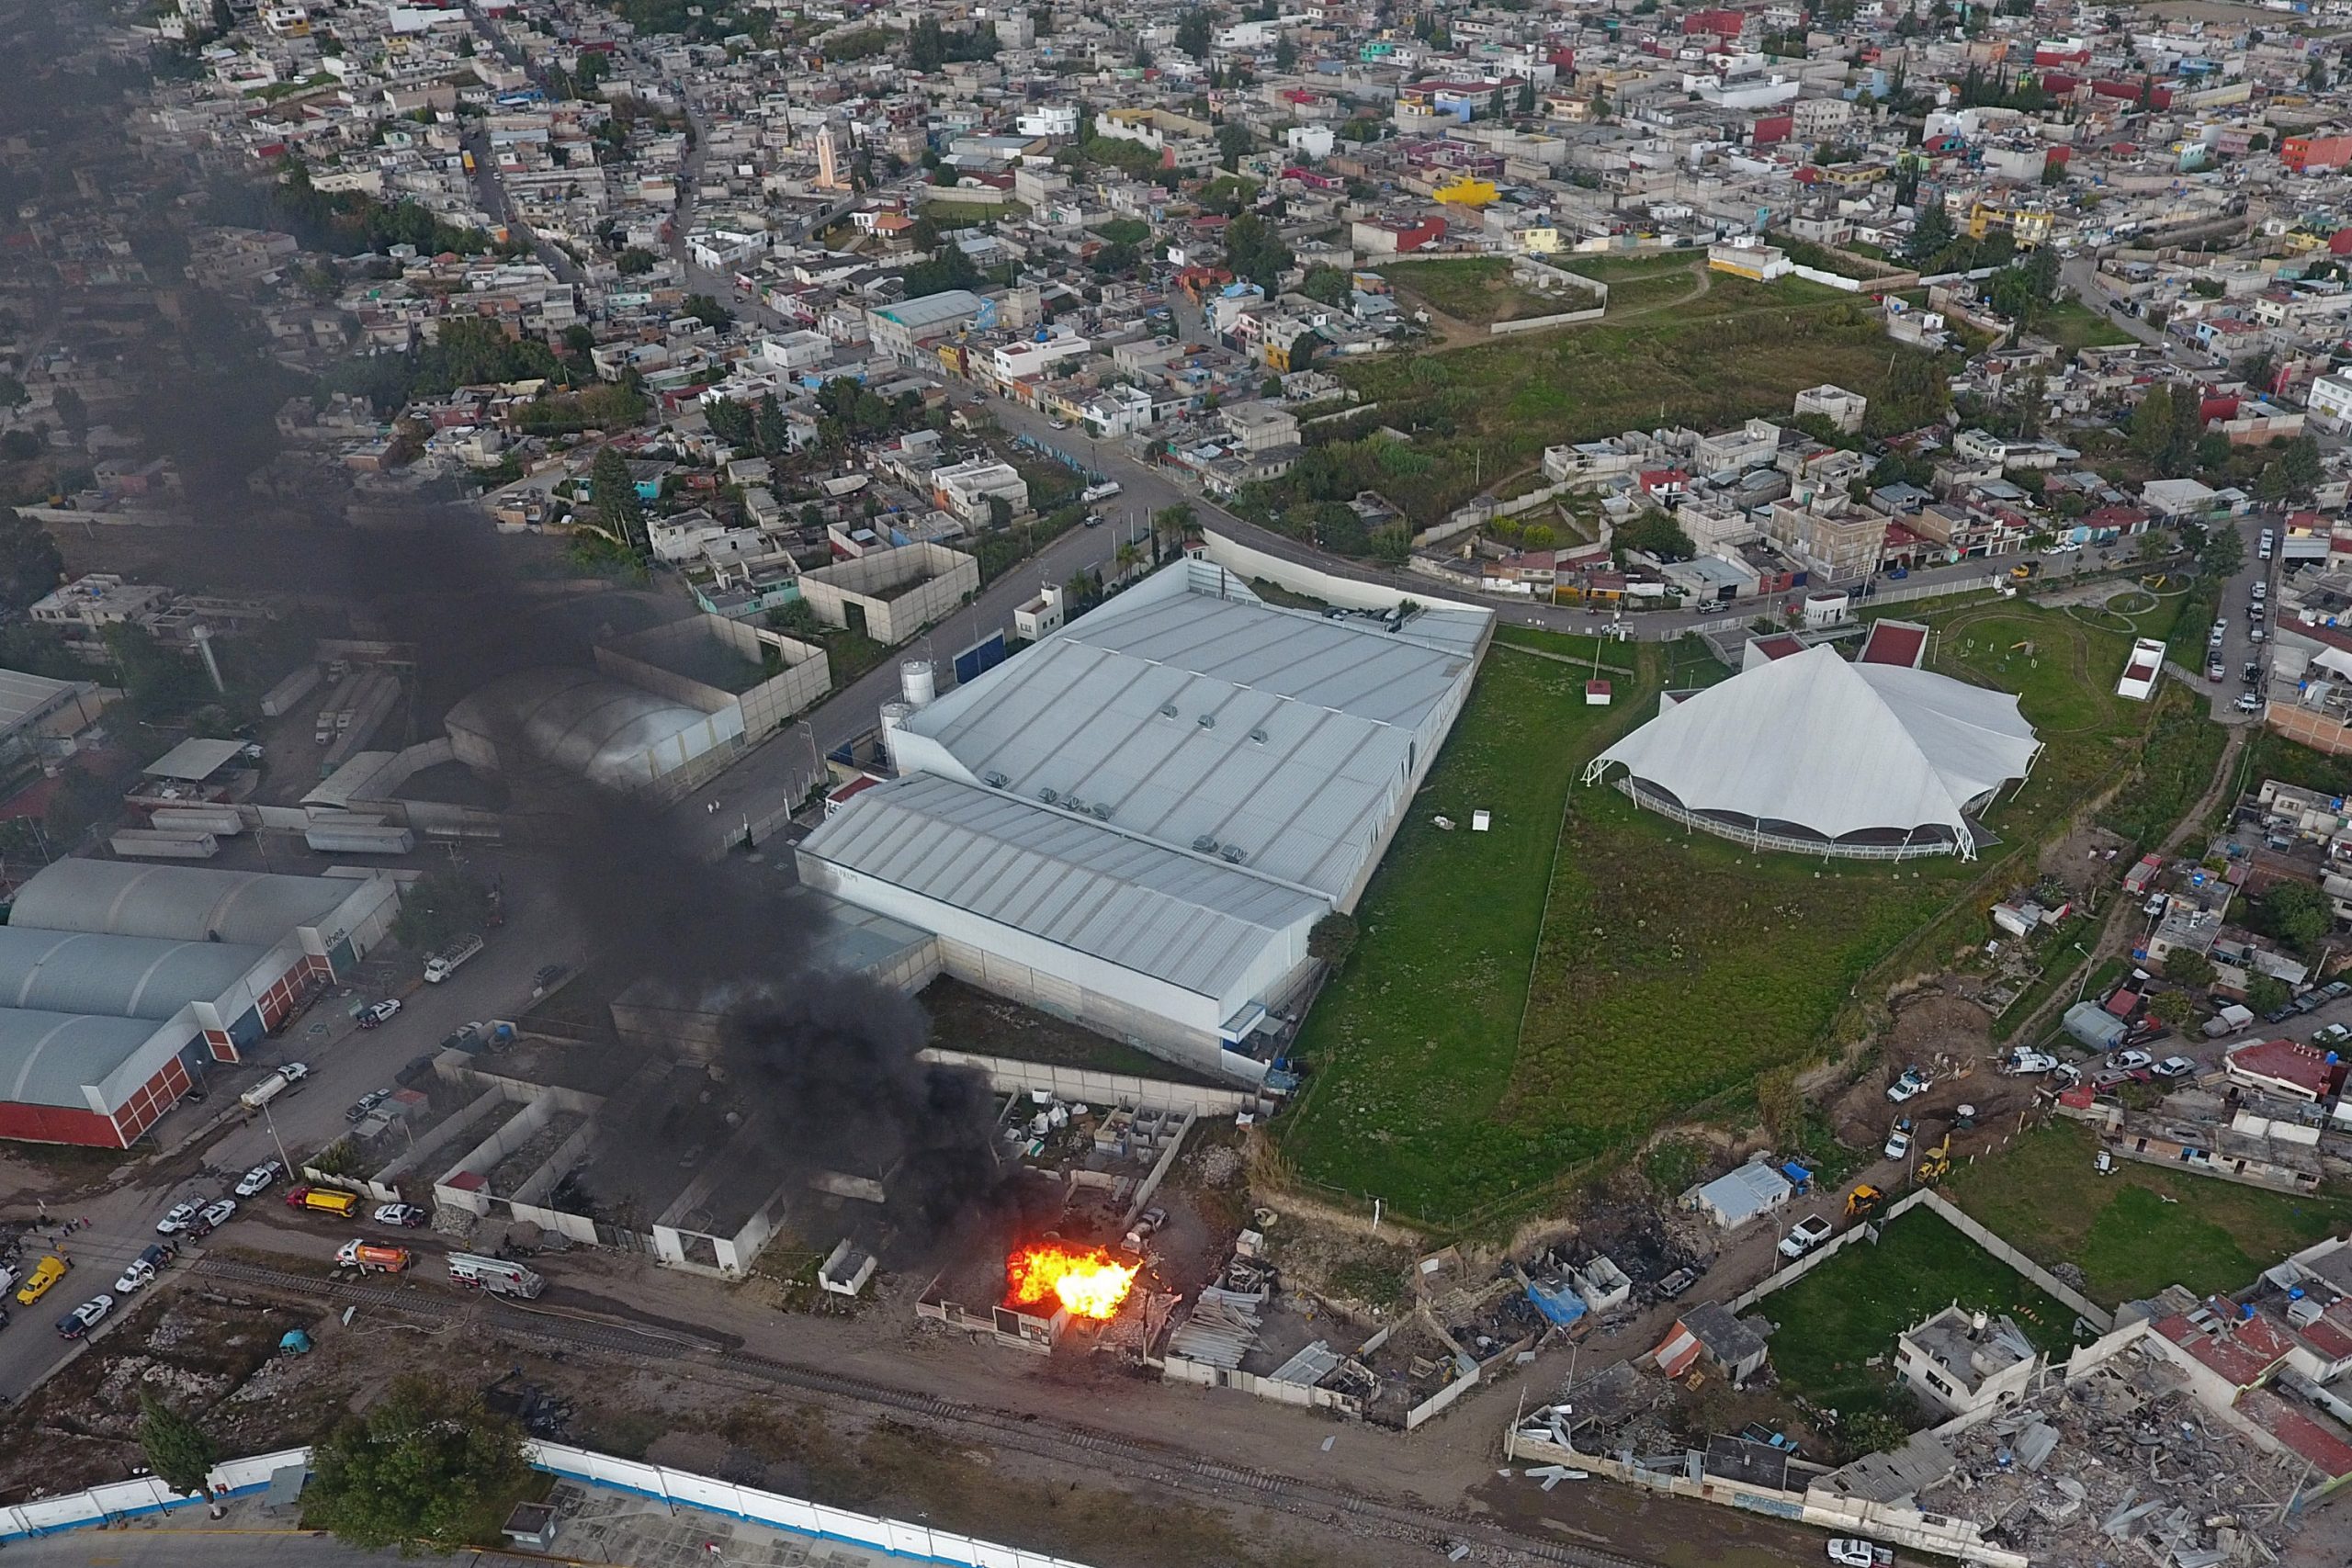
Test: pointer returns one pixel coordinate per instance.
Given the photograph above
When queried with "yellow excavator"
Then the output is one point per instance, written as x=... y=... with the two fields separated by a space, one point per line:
x=1863 y=1202
x=1935 y=1163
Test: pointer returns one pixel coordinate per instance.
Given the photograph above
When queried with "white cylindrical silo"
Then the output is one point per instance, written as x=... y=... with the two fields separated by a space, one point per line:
x=916 y=682
x=893 y=716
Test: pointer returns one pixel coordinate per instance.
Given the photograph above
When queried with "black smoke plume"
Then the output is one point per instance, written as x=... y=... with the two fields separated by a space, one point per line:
x=822 y=1068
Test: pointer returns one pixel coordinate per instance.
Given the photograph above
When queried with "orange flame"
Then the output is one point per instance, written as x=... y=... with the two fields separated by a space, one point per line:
x=1088 y=1280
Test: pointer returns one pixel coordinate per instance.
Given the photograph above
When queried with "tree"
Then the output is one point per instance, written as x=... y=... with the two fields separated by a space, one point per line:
x=70 y=413
x=2186 y=966
x=1527 y=97
x=1000 y=513
x=31 y=564
x=1327 y=285
x=2266 y=994
x=178 y=1450
x=1656 y=533
x=731 y=422
x=2151 y=423
x=1286 y=54
x=2298 y=913
x=1932 y=235
x=1332 y=939
x=1233 y=143
x=709 y=312
x=159 y=683
x=421 y=1467
x=1253 y=250
x=619 y=510
x=2299 y=461
x=635 y=262
x=2223 y=553
x=2188 y=428
x=1193 y=32
x=771 y=430
x=438 y=907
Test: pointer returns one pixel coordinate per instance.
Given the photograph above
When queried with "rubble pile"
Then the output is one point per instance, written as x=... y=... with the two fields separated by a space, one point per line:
x=2121 y=1465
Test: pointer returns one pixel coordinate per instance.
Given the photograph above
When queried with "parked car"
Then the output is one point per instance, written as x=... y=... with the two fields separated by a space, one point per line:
x=181 y=1216
x=258 y=1179
x=1910 y=1086
x=216 y=1213
x=2129 y=1061
x=1806 y=1235
x=407 y=1215
x=2022 y=1063
x=2175 y=1067
x=1848 y=1552
x=85 y=1318
x=548 y=975
x=2248 y=703
x=1898 y=1145
x=134 y=1276
x=383 y=1012
x=366 y=1103
x=2213 y=671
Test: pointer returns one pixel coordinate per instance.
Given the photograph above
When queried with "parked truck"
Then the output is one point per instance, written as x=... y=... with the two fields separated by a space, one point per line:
x=270 y=1088
x=499 y=1276
x=220 y=821
x=148 y=843
x=281 y=698
x=450 y=959
x=360 y=838
x=370 y=1257
x=324 y=1201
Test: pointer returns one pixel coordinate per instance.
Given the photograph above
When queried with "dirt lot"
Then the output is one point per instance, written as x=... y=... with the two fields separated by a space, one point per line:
x=1944 y=1033
x=2084 y=860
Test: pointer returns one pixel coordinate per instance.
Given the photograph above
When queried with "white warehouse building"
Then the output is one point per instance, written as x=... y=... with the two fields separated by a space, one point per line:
x=1135 y=822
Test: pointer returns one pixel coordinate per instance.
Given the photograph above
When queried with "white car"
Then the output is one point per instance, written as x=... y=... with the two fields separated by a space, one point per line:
x=258 y=1179
x=1848 y=1552
x=1898 y=1145
x=2130 y=1061
x=404 y=1214
x=216 y=1213
x=1808 y=1233
x=1912 y=1084
x=2175 y=1067
x=181 y=1216
x=2025 y=1064
x=137 y=1275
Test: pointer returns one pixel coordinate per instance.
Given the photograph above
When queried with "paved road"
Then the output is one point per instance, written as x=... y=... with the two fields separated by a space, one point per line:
x=213 y=1143
x=177 y=1546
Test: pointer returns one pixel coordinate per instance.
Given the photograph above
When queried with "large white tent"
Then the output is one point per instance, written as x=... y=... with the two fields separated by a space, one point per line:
x=1867 y=759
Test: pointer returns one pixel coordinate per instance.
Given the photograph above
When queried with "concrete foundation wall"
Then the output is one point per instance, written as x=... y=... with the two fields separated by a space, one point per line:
x=1095 y=1088
x=942 y=580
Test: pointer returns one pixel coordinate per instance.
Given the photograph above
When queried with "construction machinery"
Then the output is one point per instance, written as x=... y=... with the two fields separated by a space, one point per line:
x=1863 y=1202
x=1934 y=1164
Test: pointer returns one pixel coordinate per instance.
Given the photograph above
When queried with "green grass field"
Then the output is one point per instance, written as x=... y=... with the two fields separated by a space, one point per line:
x=1835 y=1319
x=1512 y=1011
x=2074 y=325
x=1413 y=1043
x=1741 y=350
x=2042 y=1196
x=1480 y=289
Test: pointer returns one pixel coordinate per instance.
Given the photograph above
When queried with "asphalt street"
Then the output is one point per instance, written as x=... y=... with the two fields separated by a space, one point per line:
x=210 y=1145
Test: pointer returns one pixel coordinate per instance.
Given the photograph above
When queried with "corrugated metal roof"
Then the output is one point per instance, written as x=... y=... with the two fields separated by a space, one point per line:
x=185 y=903
x=195 y=758
x=118 y=976
x=23 y=694
x=1289 y=736
x=1190 y=923
x=593 y=725
x=46 y=1058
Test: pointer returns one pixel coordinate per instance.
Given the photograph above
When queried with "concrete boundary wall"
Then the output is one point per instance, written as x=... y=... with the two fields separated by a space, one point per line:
x=1349 y=592
x=1935 y=1201
x=146 y=1496
x=1886 y=1522
x=2097 y=1315
x=899 y=1538
x=1097 y=1088
x=1543 y=324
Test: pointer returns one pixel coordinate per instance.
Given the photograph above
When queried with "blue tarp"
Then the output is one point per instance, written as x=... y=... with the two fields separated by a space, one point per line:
x=1799 y=1177
x=1557 y=1302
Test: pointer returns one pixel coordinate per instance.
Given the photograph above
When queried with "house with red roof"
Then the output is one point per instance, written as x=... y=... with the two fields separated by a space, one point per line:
x=2287 y=1069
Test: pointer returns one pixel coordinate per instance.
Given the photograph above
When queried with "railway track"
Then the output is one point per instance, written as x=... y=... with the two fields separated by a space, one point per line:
x=1161 y=1464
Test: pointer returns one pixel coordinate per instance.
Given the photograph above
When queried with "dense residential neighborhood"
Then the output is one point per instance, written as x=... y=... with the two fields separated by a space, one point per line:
x=1553 y=782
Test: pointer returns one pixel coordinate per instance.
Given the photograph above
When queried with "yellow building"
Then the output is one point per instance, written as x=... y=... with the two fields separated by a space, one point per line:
x=1462 y=190
x=2027 y=225
x=1540 y=240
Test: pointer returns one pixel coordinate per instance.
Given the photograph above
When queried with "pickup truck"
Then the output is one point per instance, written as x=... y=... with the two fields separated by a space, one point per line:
x=450 y=959
x=1807 y=1234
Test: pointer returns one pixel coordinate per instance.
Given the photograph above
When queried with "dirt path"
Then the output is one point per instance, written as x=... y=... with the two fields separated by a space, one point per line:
x=1706 y=280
